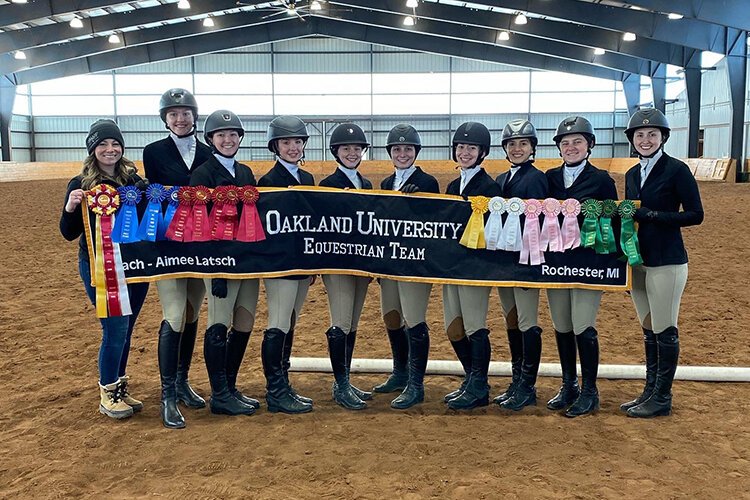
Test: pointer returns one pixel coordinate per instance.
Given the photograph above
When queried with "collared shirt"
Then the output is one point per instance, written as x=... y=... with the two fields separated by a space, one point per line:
x=571 y=173
x=466 y=175
x=511 y=173
x=351 y=173
x=401 y=175
x=647 y=165
x=227 y=163
x=292 y=167
x=186 y=147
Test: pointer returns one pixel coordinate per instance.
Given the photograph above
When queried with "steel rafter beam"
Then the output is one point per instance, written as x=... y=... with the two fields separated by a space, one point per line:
x=688 y=32
x=21 y=13
x=59 y=32
x=730 y=13
x=450 y=33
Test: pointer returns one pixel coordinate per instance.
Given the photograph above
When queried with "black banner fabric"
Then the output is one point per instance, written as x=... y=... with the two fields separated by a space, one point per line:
x=371 y=233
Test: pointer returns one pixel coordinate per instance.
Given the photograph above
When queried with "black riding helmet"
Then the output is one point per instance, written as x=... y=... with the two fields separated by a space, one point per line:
x=519 y=129
x=575 y=125
x=472 y=133
x=347 y=133
x=178 y=98
x=285 y=127
x=221 y=119
x=648 y=117
x=403 y=134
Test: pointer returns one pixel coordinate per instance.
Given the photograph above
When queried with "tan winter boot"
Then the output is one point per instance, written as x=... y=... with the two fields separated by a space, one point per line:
x=111 y=403
x=127 y=398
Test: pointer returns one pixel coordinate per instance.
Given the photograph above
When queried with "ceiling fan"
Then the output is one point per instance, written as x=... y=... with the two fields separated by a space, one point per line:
x=298 y=8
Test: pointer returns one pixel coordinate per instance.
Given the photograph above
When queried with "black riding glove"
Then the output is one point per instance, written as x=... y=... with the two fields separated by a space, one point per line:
x=644 y=214
x=409 y=188
x=219 y=288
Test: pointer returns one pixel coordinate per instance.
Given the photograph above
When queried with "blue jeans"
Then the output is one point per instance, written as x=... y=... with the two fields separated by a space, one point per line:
x=116 y=330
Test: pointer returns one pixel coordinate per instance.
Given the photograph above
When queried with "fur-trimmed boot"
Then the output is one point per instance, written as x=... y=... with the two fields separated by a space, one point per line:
x=111 y=403
x=129 y=400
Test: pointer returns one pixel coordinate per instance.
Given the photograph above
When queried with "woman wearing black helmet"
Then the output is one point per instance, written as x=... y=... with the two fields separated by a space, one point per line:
x=574 y=310
x=521 y=305
x=346 y=293
x=105 y=163
x=663 y=184
x=465 y=307
x=404 y=304
x=232 y=303
x=287 y=137
x=169 y=162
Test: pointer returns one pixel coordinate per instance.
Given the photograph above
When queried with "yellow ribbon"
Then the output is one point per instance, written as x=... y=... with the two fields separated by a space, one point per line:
x=99 y=280
x=474 y=234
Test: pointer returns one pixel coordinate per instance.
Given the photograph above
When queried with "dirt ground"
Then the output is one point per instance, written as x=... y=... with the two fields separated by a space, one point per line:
x=54 y=443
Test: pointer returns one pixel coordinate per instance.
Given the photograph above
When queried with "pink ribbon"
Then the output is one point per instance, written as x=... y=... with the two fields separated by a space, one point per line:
x=551 y=238
x=571 y=232
x=531 y=252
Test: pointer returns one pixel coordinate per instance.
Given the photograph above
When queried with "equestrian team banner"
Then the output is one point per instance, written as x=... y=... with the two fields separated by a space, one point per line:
x=272 y=232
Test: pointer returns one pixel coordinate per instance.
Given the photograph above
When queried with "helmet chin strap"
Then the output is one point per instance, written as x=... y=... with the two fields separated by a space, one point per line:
x=192 y=131
x=646 y=157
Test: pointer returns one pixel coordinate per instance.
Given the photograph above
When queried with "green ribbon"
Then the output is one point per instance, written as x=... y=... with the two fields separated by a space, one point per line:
x=590 y=231
x=605 y=238
x=628 y=234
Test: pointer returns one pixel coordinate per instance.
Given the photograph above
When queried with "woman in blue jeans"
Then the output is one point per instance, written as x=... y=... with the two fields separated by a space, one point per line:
x=105 y=163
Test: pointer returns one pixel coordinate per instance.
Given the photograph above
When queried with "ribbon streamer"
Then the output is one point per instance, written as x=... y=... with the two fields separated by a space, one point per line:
x=223 y=218
x=153 y=218
x=494 y=227
x=571 y=233
x=181 y=227
x=551 y=237
x=590 y=231
x=174 y=202
x=201 y=224
x=628 y=234
x=511 y=238
x=250 y=228
x=473 y=236
x=605 y=242
x=126 y=220
x=531 y=252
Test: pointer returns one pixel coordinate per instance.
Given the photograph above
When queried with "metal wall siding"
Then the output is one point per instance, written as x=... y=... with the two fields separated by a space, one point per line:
x=460 y=65
x=410 y=63
x=322 y=63
x=182 y=65
x=64 y=123
x=233 y=63
x=323 y=45
x=142 y=123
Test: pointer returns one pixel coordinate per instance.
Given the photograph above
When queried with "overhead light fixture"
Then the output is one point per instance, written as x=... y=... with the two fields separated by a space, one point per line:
x=208 y=22
x=409 y=21
x=18 y=1
x=113 y=38
x=628 y=36
x=674 y=16
x=412 y=4
x=521 y=19
x=315 y=5
x=598 y=51
x=183 y=4
x=503 y=36
x=20 y=54
x=76 y=23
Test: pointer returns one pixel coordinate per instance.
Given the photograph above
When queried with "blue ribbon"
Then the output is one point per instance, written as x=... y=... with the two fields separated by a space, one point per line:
x=153 y=218
x=171 y=209
x=126 y=220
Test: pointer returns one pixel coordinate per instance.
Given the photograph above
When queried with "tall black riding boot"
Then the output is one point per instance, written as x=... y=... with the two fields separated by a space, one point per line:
x=278 y=397
x=236 y=346
x=477 y=391
x=660 y=402
x=286 y=363
x=652 y=361
x=515 y=342
x=588 y=351
x=215 y=352
x=462 y=348
x=337 y=350
x=525 y=393
x=351 y=340
x=419 y=350
x=400 y=350
x=168 y=352
x=185 y=394
x=569 y=390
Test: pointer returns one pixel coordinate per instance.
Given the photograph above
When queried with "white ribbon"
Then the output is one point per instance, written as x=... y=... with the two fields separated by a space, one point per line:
x=494 y=227
x=511 y=238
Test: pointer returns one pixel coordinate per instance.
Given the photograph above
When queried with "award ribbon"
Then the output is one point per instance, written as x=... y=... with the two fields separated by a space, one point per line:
x=494 y=227
x=126 y=220
x=605 y=238
x=628 y=234
x=174 y=202
x=250 y=228
x=224 y=213
x=109 y=280
x=571 y=233
x=153 y=218
x=201 y=224
x=590 y=231
x=473 y=236
x=551 y=238
x=531 y=252
x=511 y=239
x=181 y=226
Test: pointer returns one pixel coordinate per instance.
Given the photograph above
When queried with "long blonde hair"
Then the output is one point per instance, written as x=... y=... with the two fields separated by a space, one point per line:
x=91 y=174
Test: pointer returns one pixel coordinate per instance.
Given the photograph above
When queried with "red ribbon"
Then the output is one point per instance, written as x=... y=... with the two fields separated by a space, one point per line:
x=250 y=228
x=110 y=274
x=181 y=227
x=224 y=220
x=200 y=224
